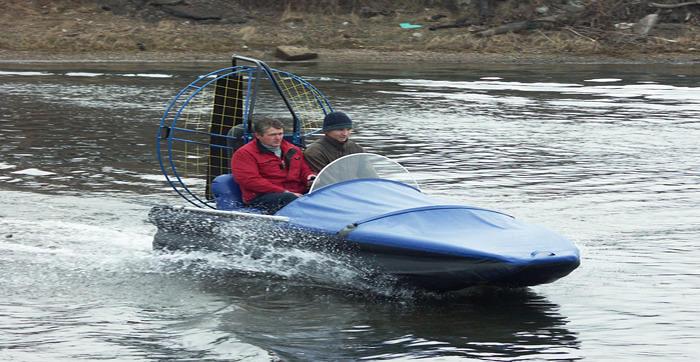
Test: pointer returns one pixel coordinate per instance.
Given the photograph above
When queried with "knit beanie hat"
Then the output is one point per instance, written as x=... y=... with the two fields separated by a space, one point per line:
x=336 y=120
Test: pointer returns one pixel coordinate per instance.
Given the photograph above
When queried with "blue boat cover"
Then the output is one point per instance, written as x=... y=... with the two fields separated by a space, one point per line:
x=392 y=214
x=333 y=207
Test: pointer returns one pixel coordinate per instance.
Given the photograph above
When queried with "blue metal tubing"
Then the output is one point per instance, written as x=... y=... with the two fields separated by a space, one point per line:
x=169 y=124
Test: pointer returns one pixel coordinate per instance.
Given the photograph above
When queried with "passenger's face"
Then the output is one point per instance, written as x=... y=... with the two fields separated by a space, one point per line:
x=340 y=135
x=272 y=137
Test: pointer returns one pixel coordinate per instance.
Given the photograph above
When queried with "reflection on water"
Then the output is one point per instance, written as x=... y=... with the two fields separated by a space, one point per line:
x=607 y=155
x=490 y=324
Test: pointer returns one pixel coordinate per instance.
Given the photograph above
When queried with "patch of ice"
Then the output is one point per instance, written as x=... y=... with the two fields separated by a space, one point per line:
x=146 y=75
x=33 y=172
x=24 y=73
x=603 y=80
x=83 y=74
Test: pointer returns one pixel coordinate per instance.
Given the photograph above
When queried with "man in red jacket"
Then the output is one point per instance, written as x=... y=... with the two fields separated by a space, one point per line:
x=270 y=171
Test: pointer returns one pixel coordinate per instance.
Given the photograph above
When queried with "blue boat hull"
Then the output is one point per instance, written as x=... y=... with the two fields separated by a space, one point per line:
x=196 y=229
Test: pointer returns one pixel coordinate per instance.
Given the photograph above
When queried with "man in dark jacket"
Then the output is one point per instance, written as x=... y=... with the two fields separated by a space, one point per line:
x=270 y=171
x=335 y=143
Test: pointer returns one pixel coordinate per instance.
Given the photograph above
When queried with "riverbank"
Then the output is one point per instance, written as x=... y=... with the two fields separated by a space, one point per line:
x=347 y=56
x=62 y=31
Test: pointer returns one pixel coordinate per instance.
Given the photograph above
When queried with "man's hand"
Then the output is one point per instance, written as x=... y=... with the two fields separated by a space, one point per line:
x=310 y=180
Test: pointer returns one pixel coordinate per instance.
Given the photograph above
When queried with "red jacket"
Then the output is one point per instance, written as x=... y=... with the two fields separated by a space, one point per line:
x=258 y=170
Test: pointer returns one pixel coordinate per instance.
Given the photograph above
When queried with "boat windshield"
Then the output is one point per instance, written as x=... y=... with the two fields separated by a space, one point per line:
x=362 y=165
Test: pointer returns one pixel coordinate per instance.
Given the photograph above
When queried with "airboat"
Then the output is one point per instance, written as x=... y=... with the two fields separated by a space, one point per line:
x=365 y=208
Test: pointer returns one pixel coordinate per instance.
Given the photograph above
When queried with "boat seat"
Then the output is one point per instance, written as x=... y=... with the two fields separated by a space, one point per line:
x=227 y=194
x=235 y=139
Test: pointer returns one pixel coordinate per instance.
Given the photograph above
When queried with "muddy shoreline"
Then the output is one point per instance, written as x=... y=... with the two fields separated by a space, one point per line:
x=345 y=56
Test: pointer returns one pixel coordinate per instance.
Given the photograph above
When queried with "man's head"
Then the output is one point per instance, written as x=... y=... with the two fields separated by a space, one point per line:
x=269 y=131
x=338 y=126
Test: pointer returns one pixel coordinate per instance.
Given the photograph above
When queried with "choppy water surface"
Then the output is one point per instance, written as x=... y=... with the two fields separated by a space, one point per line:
x=607 y=155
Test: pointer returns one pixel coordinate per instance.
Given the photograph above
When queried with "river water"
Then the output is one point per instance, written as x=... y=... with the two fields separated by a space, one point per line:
x=607 y=155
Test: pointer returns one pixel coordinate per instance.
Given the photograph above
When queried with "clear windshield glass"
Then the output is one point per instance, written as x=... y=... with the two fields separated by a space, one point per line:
x=362 y=165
